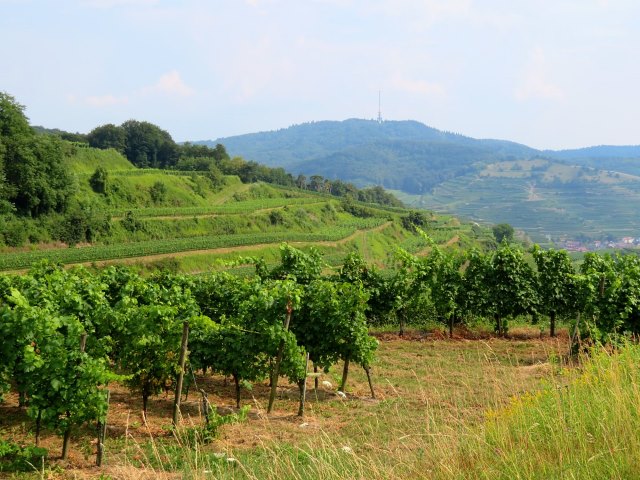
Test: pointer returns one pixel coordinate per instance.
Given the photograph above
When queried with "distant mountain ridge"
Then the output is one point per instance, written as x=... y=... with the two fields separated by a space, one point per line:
x=591 y=192
x=357 y=150
x=598 y=151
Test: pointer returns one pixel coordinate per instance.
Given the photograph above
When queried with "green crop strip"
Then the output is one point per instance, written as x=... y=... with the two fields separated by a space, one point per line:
x=14 y=261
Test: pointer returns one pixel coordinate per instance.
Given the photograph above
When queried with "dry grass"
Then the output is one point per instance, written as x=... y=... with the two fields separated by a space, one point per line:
x=431 y=392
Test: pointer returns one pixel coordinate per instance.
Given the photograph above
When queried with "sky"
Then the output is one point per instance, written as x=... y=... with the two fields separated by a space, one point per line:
x=547 y=73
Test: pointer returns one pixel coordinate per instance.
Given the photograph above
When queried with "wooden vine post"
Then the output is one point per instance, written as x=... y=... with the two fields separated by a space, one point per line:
x=276 y=368
x=574 y=342
x=302 y=384
x=102 y=433
x=367 y=370
x=183 y=359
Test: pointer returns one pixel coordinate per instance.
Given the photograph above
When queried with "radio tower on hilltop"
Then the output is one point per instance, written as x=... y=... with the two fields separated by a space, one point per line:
x=379 y=109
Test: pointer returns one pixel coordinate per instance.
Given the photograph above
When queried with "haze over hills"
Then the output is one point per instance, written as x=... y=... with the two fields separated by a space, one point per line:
x=587 y=193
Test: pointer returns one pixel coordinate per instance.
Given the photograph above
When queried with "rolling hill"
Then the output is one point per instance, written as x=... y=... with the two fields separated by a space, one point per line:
x=581 y=194
x=193 y=225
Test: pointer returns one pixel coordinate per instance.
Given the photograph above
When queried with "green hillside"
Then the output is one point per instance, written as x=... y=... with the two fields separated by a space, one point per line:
x=183 y=221
x=546 y=199
x=582 y=194
x=84 y=160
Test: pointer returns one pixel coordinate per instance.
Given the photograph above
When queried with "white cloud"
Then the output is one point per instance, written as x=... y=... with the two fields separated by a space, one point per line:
x=535 y=83
x=170 y=83
x=417 y=87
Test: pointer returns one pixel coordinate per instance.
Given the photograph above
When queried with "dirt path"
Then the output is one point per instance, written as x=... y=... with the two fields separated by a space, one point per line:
x=532 y=195
x=231 y=192
x=448 y=243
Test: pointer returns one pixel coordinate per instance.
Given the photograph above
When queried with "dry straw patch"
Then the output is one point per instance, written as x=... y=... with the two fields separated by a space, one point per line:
x=430 y=395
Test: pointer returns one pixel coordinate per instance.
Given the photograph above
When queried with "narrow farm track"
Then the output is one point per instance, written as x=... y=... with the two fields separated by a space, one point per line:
x=425 y=251
x=225 y=250
x=230 y=192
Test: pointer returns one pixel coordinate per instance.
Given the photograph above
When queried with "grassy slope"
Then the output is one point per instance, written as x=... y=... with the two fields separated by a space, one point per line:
x=86 y=160
x=214 y=223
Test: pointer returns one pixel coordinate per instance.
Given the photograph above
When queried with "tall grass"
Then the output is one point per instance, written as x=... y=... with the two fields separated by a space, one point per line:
x=588 y=428
x=582 y=424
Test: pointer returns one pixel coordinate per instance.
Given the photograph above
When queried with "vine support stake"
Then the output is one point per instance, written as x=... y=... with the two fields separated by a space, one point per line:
x=575 y=337
x=183 y=358
x=102 y=433
x=302 y=384
x=367 y=370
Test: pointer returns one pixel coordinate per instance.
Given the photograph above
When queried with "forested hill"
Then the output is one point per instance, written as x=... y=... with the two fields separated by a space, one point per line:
x=589 y=193
x=598 y=151
x=404 y=155
x=317 y=141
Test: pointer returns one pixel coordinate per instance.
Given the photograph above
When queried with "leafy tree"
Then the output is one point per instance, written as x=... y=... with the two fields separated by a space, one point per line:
x=46 y=328
x=599 y=289
x=37 y=181
x=247 y=333
x=215 y=176
x=332 y=325
x=375 y=194
x=151 y=331
x=147 y=145
x=409 y=289
x=99 y=181
x=222 y=340
x=316 y=183
x=196 y=152
x=84 y=221
x=16 y=232
x=627 y=299
x=108 y=136
x=503 y=231
x=132 y=223
x=610 y=294
x=415 y=220
x=511 y=286
x=301 y=266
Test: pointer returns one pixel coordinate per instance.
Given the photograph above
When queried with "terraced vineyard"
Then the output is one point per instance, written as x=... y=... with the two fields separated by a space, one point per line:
x=194 y=223
x=235 y=208
x=19 y=260
x=544 y=207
